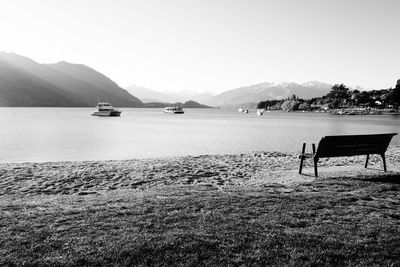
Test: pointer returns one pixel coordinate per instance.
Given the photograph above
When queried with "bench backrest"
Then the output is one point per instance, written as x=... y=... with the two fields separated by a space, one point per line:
x=352 y=145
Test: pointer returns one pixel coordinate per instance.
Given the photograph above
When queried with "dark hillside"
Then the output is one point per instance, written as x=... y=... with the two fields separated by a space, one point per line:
x=24 y=82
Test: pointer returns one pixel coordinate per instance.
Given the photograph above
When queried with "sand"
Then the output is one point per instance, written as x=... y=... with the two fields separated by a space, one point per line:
x=217 y=171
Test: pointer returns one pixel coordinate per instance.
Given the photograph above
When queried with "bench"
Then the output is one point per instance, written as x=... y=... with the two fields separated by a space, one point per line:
x=346 y=146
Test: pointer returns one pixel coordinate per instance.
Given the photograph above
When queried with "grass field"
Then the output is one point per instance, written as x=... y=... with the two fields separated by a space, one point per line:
x=329 y=221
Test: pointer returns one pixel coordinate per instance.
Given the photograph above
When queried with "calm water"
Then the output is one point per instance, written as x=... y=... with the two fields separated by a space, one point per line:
x=54 y=134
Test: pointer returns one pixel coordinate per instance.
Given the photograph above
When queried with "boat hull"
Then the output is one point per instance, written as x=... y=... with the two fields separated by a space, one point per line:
x=114 y=113
x=174 y=112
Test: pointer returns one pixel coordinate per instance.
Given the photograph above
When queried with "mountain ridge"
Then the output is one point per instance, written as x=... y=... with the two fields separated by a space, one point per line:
x=26 y=83
x=241 y=95
x=268 y=91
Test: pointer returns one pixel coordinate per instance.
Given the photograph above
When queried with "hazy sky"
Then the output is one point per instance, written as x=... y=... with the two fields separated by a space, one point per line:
x=211 y=45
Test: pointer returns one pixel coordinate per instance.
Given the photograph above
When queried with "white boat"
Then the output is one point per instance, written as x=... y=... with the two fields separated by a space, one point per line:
x=106 y=110
x=245 y=109
x=174 y=110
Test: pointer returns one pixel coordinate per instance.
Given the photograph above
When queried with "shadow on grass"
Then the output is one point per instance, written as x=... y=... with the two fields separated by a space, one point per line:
x=312 y=175
x=391 y=178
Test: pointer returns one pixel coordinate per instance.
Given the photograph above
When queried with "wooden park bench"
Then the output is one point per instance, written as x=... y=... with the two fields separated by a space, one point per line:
x=346 y=146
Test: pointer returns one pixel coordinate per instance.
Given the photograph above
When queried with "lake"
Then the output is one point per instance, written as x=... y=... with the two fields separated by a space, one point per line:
x=58 y=134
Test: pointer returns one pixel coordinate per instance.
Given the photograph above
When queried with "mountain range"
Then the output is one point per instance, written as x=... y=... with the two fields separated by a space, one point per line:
x=268 y=91
x=252 y=94
x=26 y=83
x=147 y=95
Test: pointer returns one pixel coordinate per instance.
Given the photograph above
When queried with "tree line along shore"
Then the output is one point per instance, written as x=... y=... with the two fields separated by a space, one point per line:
x=341 y=100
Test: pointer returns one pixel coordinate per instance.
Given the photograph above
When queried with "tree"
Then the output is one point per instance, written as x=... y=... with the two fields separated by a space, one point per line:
x=290 y=105
x=394 y=95
x=355 y=97
x=338 y=94
x=270 y=104
x=305 y=106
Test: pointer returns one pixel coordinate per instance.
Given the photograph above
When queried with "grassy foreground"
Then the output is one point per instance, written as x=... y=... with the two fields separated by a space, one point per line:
x=329 y=221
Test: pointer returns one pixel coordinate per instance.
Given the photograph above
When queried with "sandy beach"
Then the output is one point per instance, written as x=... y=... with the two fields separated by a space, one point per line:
x=219 y=171
x=160 y=211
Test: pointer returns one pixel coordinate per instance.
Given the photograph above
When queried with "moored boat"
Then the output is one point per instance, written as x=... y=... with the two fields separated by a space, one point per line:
x=106 y=110
x=174 y=110
x=245 y=109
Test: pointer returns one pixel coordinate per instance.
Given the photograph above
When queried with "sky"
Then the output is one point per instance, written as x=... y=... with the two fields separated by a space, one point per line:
x=211 y=45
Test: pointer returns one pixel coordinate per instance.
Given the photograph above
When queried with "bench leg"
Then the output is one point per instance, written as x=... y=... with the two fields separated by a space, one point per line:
x=315 y=161
x=366 y=162
x=303 y=150
x=384 y=161
x=315 y=167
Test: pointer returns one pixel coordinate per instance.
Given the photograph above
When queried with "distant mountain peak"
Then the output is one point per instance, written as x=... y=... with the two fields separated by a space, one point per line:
x=315 y=84
x=63 y=62
x=3 y=53
x=286 y=84
x=12 y=57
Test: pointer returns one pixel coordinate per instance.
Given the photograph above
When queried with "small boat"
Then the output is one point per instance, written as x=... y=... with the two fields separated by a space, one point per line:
x=106 y=110
x=174 y=110
x=260 y=112
x=245 y=109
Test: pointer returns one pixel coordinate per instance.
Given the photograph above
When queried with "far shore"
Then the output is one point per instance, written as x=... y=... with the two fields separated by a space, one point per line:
x=242 y=209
